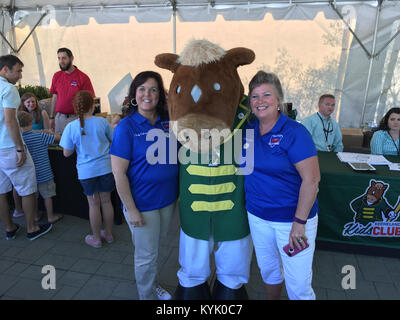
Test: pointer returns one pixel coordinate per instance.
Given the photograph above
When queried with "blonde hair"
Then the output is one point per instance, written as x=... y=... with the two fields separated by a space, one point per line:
x=262 y=77
x=83 y=102
x=24 y=118
x=36 y=112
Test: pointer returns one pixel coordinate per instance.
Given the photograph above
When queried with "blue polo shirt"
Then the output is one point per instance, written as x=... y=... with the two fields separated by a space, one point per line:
x=272 y=190
x=153 y=185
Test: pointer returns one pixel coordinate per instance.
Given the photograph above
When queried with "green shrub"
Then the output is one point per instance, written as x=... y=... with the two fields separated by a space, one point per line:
x=39 y=91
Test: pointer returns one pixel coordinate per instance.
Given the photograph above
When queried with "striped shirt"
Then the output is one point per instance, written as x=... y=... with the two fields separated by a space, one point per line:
x=37 y=143
x=382 y=143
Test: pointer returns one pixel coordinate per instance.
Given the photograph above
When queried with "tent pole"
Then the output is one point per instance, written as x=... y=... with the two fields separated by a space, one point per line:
x=387 y=43
x=30 y=33
x=371 y=61
x=39 y=58
x=173 y=4
x=174 y=31
x=5 y=39
x=13 y=48
x=350 y=29
x=14 y=36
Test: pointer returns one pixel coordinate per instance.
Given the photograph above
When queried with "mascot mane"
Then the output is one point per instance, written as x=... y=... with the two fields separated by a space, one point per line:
x=199 y=52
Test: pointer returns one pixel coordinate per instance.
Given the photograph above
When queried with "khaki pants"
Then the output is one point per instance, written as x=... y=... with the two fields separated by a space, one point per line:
x=146 y=240
x=61 y=121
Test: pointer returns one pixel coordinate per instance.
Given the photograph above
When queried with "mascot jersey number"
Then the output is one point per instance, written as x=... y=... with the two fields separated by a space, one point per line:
x=206 y=105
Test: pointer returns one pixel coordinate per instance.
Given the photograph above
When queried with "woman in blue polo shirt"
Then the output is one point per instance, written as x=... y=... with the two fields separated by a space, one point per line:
x=281 y=192
x=148 y=190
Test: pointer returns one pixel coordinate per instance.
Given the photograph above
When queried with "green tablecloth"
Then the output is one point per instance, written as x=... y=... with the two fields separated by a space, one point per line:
x=346 y=216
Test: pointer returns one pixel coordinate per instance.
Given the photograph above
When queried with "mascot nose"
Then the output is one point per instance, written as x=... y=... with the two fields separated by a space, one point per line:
x=196 y=93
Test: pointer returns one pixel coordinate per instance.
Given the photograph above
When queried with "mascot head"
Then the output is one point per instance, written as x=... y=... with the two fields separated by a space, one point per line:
x=376 y=191
x=205 y=91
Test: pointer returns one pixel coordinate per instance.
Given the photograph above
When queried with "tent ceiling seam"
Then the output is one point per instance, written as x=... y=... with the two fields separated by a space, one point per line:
x=371 y=61
x=369 y=55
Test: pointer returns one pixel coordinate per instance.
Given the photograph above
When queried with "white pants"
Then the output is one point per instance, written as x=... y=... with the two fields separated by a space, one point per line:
x=232 y=259
x=269 y=238
x=146 y=240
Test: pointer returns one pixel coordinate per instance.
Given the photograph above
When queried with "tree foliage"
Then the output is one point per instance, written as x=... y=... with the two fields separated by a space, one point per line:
x=304 y=84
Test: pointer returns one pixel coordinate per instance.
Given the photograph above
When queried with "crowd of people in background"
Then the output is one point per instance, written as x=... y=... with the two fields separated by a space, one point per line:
x=113 y=156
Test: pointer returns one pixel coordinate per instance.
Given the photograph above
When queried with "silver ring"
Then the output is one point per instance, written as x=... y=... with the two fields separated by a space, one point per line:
x=300 y=240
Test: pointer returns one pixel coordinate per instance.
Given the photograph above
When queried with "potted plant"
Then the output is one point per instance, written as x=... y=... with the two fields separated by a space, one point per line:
x=39 y=91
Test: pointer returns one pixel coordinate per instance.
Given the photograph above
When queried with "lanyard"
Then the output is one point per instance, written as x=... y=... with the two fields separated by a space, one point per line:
x=395 y=145
x=326 y=131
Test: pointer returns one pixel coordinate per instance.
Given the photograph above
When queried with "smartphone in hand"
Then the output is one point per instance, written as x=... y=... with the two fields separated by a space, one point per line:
x=292 y=252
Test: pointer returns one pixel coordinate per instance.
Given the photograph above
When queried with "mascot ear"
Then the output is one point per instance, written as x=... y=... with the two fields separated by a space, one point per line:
x=167 y=61
x=240 y=56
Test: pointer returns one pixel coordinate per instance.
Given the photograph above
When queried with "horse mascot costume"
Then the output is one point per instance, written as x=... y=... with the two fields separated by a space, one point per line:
x=207 y=106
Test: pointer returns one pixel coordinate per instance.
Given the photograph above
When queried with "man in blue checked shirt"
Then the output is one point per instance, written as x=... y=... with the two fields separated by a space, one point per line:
x=324 y=130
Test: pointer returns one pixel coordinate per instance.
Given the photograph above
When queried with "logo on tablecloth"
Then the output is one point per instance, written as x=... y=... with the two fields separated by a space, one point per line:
x=373 y=215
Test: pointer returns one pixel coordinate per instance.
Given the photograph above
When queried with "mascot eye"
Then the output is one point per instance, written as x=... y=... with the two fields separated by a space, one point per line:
x=217 y=86
x=178 y=89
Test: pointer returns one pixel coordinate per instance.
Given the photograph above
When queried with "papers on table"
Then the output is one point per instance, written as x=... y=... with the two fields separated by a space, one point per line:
x=363 y=158
x=394 y=166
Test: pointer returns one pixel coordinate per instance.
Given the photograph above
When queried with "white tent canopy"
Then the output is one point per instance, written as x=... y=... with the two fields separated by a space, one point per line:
x=365 y=77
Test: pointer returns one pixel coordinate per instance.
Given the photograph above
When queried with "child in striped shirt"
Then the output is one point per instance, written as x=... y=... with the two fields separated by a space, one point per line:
x=37 y=143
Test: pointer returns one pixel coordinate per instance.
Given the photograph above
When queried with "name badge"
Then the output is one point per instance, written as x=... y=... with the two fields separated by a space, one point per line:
x=74 y=83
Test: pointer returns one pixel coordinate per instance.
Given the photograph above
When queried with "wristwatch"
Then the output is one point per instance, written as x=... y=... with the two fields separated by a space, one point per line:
x=20 y=150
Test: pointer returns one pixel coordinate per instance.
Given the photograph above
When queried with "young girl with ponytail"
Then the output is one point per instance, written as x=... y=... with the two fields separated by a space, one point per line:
x=91 y=136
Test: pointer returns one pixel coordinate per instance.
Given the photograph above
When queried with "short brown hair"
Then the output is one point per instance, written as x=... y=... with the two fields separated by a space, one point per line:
x=326 y=95
x=9 y=61
x=24 y=118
